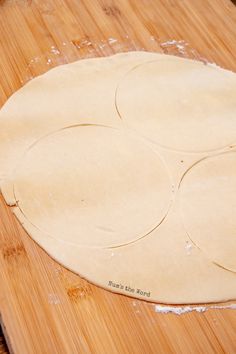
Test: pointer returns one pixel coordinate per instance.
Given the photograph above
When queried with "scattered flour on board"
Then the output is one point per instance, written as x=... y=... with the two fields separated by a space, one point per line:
x=53 y=299
x=179 y=310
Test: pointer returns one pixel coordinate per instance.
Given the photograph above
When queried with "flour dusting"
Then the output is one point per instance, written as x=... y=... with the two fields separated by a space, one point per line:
x=53 y=299
x=188 y=247
x=179 y=310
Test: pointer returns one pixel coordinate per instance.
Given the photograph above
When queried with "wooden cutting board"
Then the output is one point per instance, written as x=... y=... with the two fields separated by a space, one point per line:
x=45 y=308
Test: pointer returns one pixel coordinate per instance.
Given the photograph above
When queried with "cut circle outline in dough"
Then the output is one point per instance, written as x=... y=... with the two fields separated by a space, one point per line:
x=189 y=112
x=208 y=190
x=156 y=201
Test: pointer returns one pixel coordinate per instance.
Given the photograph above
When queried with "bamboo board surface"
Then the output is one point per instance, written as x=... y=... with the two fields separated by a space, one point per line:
x=44 y=308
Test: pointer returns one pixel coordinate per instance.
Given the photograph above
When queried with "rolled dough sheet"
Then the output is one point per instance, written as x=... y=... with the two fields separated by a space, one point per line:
x=110 y=194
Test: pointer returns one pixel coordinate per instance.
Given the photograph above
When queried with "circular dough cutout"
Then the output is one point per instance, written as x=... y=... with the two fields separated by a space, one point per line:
x=208 y=205
x=180 y=104
x=93 y=186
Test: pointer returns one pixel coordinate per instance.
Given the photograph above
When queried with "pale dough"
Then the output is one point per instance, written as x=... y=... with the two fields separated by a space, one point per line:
x=76 y=93
x=86 y=178
x=191 y=102
x=208 y=205
x=112 y=192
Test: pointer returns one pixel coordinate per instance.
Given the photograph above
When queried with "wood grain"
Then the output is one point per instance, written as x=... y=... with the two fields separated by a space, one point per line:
x=45 y=308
